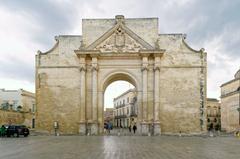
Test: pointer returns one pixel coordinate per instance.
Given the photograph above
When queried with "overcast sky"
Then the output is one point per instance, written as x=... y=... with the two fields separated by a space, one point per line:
x=27 y=26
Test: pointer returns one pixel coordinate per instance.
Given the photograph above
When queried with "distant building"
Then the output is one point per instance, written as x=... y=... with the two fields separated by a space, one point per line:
x=21 y=101
x=108 y=115
x=125 y=112
x=230 y=104
x=213 y=114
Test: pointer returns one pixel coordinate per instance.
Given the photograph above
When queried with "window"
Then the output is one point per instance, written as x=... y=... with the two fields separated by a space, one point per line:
x=33 y=108
x=208 y=110
x=127 y=99
x=215 y=111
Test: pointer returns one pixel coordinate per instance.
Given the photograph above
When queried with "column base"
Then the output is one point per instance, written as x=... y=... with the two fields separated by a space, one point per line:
x=157 y=129
x=144 y=128
x=94 y=128
x=82 y=128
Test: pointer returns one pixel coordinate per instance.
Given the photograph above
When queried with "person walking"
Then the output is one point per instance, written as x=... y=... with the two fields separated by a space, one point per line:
x=130 y=128
x=109 y=127
x=134 y=128
x=2 y=131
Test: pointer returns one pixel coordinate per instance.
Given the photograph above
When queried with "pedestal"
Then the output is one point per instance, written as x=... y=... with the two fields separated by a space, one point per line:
x=144 y=128
x=157 y=129
x=94 y=128
x=82 y=128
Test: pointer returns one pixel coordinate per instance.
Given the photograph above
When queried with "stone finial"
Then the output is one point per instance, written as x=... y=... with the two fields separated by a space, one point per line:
x=119 y=18
x=82 y=46
x=56 y=38
x=39 y=52
x=202 y=49
x=184 y=36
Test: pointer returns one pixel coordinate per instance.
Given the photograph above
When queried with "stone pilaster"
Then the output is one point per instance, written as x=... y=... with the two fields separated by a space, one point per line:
x=94 y=124
x=157 y=128
x=82 y=122
x=144 y=124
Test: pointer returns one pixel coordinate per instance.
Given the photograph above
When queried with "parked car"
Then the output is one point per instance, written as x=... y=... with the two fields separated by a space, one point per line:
x=17 y=130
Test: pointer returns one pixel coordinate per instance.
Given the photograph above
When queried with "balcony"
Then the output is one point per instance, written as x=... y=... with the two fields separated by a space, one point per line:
x=120 y=106
x=133 y=114
x=120 y=116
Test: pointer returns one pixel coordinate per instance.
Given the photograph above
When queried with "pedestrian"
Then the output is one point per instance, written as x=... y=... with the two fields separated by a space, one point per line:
x=2 y=131
x=130 y=128
x=134 y=128
x=109 y=127
x=105 y=128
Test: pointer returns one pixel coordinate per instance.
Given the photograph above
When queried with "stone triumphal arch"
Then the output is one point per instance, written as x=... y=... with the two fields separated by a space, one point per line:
x=169 y=76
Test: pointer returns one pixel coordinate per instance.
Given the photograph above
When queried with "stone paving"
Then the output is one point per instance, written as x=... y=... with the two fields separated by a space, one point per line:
x=119 y=147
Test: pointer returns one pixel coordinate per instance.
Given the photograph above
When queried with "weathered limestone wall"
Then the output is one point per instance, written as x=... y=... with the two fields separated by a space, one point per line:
x=229 y=113
x=59 y=99
x=179 y=100
x=230 y=87
x=230 y=100
x=182 y=70
x=57 y=87
x=11 y=117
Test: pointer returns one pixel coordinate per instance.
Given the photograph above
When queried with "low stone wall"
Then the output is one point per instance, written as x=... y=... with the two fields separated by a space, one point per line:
x=13 y=117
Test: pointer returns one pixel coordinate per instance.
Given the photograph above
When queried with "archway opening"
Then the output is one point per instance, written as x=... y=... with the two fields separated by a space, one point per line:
x=120 y=105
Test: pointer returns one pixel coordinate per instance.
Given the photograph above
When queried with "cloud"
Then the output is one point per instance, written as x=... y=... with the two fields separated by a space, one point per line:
x=27 y=26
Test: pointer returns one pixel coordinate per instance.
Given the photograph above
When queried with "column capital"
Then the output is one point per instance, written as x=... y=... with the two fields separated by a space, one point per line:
x=82 y=68
x=145 y=68
x=94 y=68
x=156 y=68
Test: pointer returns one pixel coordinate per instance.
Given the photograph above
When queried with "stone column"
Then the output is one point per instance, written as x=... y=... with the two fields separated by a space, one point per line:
x=100 y=112
x=157 y=128
x=94 y=126
x=144 y=124
x=82 y=122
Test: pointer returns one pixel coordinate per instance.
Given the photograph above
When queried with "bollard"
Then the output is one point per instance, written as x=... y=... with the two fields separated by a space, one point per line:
x=149 y=134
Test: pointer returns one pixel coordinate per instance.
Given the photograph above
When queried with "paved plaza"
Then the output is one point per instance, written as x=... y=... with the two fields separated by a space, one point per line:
x=122 y=147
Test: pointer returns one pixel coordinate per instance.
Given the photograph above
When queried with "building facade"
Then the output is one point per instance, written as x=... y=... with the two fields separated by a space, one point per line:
x=108 y=115
x=169 y=77
x=17 y=107
x=213 y=114
x=125 y=109
x=230 y=104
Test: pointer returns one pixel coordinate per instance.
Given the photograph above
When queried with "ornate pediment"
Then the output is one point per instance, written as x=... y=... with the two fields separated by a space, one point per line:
x=119 y=39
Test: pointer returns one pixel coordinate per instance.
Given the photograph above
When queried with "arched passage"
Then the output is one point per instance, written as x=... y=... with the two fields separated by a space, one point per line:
x=129 y=108
x=115 y=76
